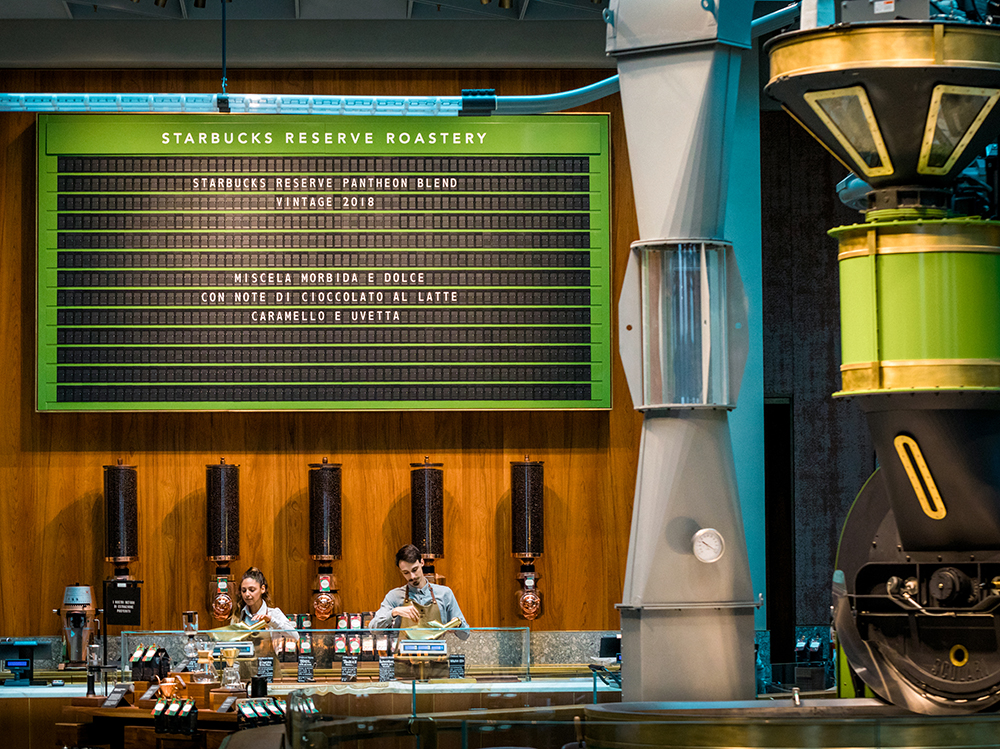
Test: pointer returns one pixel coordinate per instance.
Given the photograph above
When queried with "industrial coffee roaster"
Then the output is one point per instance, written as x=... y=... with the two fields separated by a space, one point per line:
x=906 y=106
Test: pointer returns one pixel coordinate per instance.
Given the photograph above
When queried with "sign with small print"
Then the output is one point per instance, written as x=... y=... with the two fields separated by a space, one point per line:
x=122 y=603
x=117 y=696
x=306 y=665
x=227 y=704
x=386 y=668
x=265 y=667
x=349 y=668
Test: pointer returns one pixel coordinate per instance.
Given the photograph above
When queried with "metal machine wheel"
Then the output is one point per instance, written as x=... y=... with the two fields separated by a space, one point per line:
x=920 y=628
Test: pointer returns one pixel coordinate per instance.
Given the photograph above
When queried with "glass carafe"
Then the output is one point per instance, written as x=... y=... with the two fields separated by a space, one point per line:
x=231 y=673
x=205 y=670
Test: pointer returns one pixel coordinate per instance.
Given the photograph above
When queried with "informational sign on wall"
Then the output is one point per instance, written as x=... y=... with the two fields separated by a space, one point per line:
x=122 y=603
x=267 y=262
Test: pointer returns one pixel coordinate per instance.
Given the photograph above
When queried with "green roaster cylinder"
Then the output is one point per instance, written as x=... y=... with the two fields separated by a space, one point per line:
x=920 y=343
x=919 y=306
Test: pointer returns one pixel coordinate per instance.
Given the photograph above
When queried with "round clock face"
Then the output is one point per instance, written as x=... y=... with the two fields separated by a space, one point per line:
x=708 y=545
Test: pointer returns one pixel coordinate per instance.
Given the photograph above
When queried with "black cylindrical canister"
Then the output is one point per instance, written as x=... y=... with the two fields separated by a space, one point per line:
x=258 y=686
x=222 y=486
x=324 y=511
x=121 y=515
x=427 y=508
x=527 y=519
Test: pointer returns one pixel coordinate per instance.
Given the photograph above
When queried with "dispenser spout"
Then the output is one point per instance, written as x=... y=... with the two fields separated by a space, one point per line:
x=221 y=589
x=325 y=598
x=529 y=598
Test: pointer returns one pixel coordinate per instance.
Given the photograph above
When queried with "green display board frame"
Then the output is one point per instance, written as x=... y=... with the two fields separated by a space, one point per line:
x=411 y=262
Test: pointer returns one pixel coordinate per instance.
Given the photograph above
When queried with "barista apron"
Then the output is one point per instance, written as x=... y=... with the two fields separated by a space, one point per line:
x=407 y=668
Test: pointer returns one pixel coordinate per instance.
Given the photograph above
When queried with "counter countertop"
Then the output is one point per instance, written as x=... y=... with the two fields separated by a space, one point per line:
x=69 y=690
x=369 y=687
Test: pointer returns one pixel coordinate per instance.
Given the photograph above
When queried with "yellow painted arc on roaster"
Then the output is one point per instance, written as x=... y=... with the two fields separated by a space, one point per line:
x=933 y=507
x=959 y=655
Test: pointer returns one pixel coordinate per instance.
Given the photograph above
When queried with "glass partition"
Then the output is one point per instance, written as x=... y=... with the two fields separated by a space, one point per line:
x=554 y=728
x=488 y=653
x=733 y=725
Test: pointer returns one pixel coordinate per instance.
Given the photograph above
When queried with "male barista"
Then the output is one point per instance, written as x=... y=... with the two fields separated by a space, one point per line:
x=414 y=606
x=419 y=601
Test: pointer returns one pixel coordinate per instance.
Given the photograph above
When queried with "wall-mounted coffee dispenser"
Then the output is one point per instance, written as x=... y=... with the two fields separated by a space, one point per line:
x=427 y=514
x=324 y=535
x=527 y=489
x=222 y=489
x=121 y=517
x=121 y=594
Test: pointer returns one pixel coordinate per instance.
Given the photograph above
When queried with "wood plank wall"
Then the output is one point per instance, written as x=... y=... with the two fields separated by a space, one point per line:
x=51 y=512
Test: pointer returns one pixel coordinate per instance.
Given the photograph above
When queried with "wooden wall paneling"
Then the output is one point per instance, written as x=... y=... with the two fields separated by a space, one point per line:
x=52 y=500
x=471 y=554
x=577 y=487
x=18 y=510
x=43 y=715
x=15 y=720
x=382 y=499
x=573 y=446
x=625 y=422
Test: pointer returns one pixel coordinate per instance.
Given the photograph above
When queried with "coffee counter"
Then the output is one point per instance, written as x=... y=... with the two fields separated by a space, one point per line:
x=506 y=668
x=43 y=717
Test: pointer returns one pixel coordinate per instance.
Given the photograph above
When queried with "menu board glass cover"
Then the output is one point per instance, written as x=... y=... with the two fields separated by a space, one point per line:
x=269 y=262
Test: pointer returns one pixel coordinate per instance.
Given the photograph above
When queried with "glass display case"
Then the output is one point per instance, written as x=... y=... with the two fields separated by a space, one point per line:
x=316 y=655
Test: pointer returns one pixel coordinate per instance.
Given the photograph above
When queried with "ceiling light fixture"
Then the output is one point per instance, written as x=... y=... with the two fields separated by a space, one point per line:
x=199 y=3
x=506 y=3
x=160 y=3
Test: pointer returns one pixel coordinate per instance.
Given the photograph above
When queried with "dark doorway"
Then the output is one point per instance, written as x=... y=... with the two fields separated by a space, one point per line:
x=779 y=519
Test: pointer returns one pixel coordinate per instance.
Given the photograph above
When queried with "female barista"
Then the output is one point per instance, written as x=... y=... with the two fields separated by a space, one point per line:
x=255 y=605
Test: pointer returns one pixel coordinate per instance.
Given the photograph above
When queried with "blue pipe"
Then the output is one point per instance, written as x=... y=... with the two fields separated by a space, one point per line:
x=472 y=102
x=774 y=21
x=481 y=102
x=243 y=103
x=557 y=102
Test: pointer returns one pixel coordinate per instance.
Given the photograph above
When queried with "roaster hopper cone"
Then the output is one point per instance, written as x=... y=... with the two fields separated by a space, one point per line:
x=901 y=103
